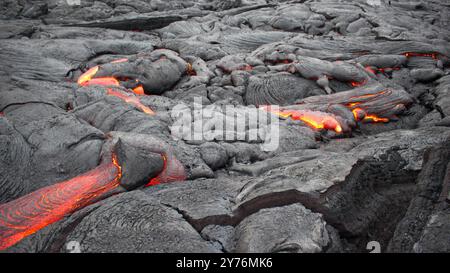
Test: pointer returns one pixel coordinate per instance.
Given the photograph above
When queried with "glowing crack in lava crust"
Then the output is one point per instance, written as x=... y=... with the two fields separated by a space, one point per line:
x=32 y=212
x=173 y=170
x=130 y=99
x=87 y=79
x=360 y=114
x=314 y=119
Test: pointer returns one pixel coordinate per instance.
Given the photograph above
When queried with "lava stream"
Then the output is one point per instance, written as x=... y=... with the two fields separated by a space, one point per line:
x=32 y=212
x=88 y=78
x=130 y=99
x=433 y=55
x=314 y=119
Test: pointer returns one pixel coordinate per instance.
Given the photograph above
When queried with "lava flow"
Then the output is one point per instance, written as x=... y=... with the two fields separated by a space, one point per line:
x=314 y=119
x=32 y=212
x=87 y=79
x=173 y=170
x=357 y=84
x=432 y=55
x=360 y=114
x=130 y=99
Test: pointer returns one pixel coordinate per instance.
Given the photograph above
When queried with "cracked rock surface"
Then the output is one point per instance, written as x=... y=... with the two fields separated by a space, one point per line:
x=374 y=165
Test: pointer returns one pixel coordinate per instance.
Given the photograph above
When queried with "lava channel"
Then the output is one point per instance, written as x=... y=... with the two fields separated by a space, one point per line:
x=32 y=212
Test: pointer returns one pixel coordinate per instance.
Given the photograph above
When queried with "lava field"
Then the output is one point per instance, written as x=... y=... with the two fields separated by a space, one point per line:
x=227 y=126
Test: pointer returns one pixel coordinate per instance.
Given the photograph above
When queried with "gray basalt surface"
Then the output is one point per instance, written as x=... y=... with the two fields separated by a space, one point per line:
x=318 y=191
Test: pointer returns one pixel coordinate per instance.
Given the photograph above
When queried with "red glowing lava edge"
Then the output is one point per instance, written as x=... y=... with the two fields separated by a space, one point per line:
x=32 y=212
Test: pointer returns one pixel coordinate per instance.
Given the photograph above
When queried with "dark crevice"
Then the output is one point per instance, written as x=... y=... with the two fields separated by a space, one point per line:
x=89 y=137
x=58 y=242
x=387 y=187
x=24 y=103
x=190 y=221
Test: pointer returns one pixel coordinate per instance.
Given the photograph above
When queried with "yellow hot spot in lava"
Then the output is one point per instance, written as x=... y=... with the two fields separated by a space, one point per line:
x=314 y=119
x=375 y=118
x=351 y=104
x=358 y=113
x=87 y=78
x=115 y=162
x=102 y=81
x=88 y=75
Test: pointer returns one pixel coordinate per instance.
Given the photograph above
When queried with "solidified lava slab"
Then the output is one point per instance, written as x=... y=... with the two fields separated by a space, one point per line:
x=101 y=103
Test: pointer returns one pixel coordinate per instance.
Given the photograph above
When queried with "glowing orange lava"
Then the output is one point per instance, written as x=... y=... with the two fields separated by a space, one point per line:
x=139 y=90
x=375 y=118
x=314 y=119
x=415 y=54
x=360 y=114
x=357 y=84
x=34 y=211
x=173 y=171
x=102 y=81
x=87 y=79
x=87 y=76
x=130 y=99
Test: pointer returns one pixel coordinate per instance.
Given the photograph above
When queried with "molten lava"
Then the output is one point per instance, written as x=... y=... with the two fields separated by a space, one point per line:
x=357 y=84
x=87 y=76
x=87 y=79
x=32 y=212
x=314 y=119
x=173 y=171
x=130 y=99
x=102 y=81
x=415 y=54
x=360 y=114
